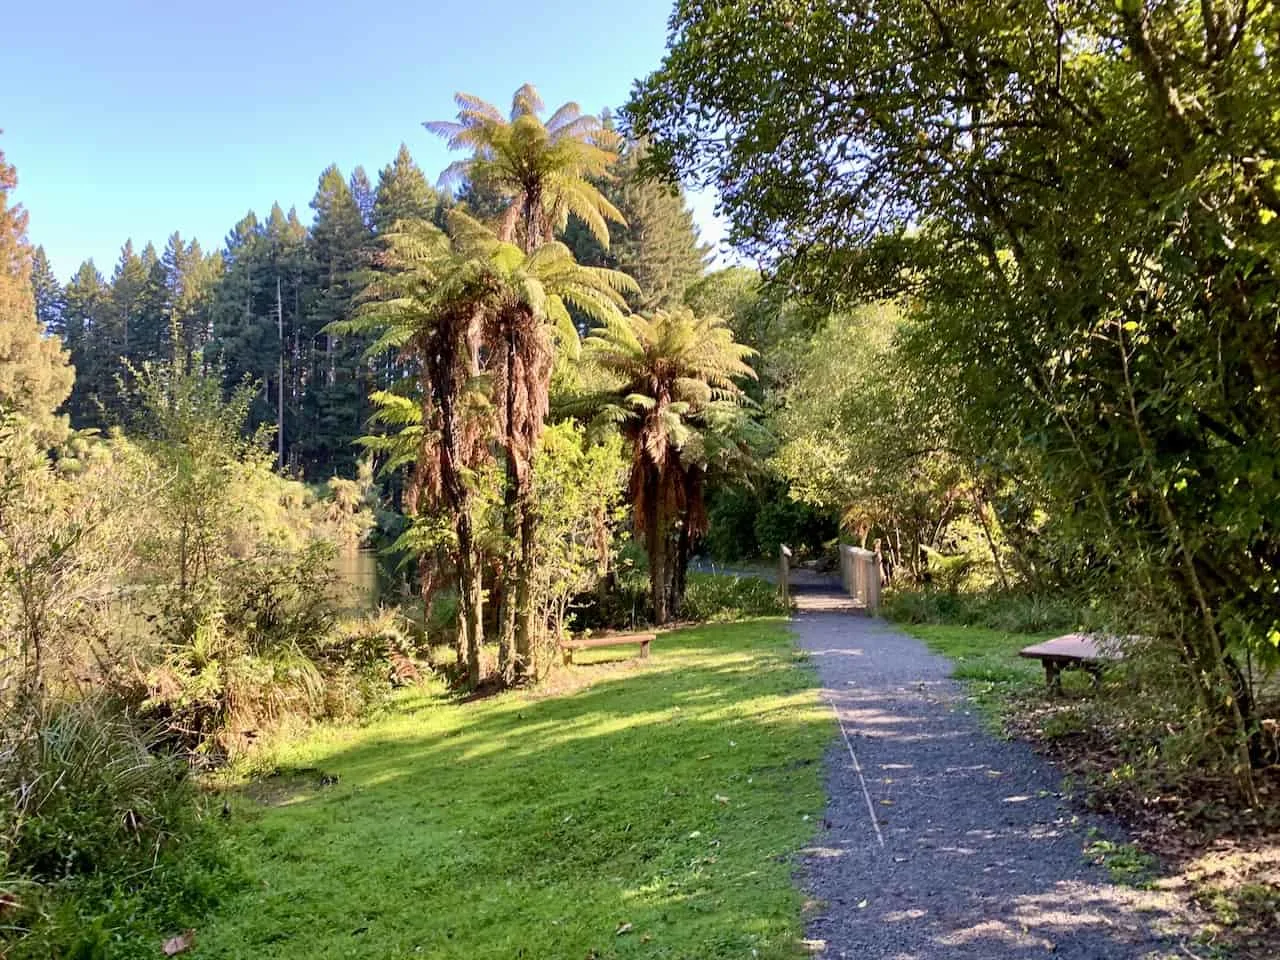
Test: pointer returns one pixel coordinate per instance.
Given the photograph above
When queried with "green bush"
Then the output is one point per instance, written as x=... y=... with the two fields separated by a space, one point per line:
x=712 y=597
x=1007 y=612
x=749 y=523
x=104 y=838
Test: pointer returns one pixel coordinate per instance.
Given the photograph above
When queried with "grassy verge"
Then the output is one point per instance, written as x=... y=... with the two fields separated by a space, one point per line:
x=652 y=813
x=1225 y=860
x=987 y=661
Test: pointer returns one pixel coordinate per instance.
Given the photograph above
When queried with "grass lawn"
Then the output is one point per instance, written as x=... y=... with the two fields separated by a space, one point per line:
x=653 y=813
x=988 y=662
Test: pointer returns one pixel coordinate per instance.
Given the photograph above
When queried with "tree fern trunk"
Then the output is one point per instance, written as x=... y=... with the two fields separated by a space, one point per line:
x=510 y=575
x=658 y=550
x=526 y=628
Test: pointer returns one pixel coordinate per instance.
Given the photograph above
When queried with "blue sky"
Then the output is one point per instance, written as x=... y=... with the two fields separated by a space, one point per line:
x=133 y=119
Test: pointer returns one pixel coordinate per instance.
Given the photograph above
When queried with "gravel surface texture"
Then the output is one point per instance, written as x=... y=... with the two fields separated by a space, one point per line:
x=942 y=841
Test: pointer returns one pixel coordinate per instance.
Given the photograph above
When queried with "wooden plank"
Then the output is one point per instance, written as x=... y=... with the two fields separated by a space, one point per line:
x=1074 y=648
x=644 y=639
x=1078 y=650
x=616 y=641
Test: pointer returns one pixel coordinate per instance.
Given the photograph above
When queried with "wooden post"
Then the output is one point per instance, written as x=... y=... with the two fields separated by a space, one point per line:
x=784 y=573
x=874 y=580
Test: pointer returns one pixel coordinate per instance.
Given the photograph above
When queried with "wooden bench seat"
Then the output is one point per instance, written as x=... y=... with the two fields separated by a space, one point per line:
x=618 y=640
x=1074 y=651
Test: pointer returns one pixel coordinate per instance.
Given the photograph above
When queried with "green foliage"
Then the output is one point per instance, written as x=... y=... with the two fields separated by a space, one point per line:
x=88 y=792
x=739 y=720
x=403 y=194
x=716 y=598
x=1012 y=613
x=679 y=405
x=104 y=838
x=543 y=172
x=656 y=243
x=577 y=492
x=858 y=437
x=1088 y=234
x=1126 y=863
x=259 y=314
x=35 y=376
x=238 y=568
x=750 y=523
x=64 y=541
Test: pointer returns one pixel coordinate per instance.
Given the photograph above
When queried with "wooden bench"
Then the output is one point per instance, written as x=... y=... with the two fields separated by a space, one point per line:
x=619 y=640
x=1075 y=651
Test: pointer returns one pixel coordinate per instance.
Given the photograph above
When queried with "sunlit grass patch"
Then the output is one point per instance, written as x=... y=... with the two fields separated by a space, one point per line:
x=653 y=813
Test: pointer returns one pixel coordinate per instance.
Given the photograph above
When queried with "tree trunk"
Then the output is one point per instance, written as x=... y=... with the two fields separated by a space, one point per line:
x=470 y=570
x=525 y=626
x=471 y=601
x=511 y=528
x=681 y=547
x=512 y=521
x=657 y=548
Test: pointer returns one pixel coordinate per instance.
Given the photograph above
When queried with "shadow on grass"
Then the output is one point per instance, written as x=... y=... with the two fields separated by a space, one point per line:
x=654 y=813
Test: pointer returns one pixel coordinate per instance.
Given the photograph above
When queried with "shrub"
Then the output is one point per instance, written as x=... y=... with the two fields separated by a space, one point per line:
x=384 y=646
x=103 y=836
x=1008 y=612
x=719 y=597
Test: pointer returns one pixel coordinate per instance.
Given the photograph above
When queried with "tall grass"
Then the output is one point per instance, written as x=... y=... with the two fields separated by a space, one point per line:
x=1007 y=612
x=104 y=839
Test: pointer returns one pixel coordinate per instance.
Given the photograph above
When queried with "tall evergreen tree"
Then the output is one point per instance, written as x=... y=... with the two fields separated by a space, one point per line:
x=335 y=378
x=658 y=245
x=35 y=376
x=256 y=311
x=47 y=291
x=403 y=193
x=128 y=285
x=87 y=310
x=362 y=193
x=149 y=334
x=187 y=276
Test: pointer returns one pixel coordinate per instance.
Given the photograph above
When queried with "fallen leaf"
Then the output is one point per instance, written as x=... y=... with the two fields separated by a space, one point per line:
x=721 y=798
x=179 y=944
x=622 y=928
x=862 y=904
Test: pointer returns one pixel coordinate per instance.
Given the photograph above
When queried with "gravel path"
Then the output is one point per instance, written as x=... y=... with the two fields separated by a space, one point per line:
x=941 y=841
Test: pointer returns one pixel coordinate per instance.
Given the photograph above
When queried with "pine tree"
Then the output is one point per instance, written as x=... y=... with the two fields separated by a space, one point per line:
x=334 y=378
x=403 y=193
x=256 y=315
x=86 y=320
x=128 y=284
x=659 y=245
x=35 y=375
x=48 y=293
x=149 y=325
x=187 y=278
x=362 y=192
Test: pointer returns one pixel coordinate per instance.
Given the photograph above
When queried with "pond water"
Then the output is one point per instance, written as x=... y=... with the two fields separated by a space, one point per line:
x=356 y=584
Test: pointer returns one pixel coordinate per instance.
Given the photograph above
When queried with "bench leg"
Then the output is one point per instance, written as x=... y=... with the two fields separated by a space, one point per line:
x=1095 y=673
x=1053 y=676
x=644 y=650
x=567 y=654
